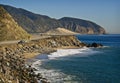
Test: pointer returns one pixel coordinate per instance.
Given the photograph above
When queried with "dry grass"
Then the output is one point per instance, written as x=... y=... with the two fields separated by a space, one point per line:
x=9 y=29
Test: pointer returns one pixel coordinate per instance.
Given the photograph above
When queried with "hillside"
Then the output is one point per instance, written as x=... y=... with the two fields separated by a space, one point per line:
x=60 y=31
x=81 y=26
x=33 y=23
x=9 y=29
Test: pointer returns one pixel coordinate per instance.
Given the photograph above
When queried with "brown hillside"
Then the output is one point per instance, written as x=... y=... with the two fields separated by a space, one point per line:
x=9 y=29
x=61 y=31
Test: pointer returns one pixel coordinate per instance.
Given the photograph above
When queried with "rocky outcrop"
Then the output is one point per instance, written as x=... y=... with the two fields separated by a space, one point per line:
x=14 y=70
x=33 y=23
x=45 y=44
x=81 y=26
x=12 y=61
x=9 y=29
x=95 y=45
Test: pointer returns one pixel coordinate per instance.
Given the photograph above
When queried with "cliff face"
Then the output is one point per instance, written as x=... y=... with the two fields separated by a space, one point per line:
x=81 y=26
x=9 y=29
x=40 y=23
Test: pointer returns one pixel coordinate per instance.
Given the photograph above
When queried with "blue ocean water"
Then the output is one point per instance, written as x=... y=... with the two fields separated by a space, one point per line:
x=94 y=65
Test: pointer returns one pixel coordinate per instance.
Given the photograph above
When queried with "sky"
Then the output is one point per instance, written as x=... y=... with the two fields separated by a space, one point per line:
x=105 y=13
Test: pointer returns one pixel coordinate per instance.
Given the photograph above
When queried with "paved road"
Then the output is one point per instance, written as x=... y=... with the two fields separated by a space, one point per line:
x=16 y=41
x=9 y=42
x=34 y=37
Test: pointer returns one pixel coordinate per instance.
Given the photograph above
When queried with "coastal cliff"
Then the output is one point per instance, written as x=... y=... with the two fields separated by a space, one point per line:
x=33 y=23
x=12 y=61
x=81 y=26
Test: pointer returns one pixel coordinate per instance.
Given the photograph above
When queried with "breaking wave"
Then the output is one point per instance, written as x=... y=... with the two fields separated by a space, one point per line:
x=83 y=52
x=54 y=75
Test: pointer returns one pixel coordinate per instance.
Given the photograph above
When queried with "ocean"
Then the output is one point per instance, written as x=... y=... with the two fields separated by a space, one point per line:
x=86 y=65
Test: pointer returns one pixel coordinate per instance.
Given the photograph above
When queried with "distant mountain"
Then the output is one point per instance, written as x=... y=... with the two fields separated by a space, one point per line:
x=81 y=26
x=59 y=31
x=9 y=29
x=33 y=23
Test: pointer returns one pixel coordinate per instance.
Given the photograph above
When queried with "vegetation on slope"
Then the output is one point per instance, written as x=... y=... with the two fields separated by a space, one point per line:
x=40 y=23
x=9 y=29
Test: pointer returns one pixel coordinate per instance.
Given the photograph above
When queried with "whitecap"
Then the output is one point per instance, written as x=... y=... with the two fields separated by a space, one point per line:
x=53 y=76
x=68 y=52
x=56 y=76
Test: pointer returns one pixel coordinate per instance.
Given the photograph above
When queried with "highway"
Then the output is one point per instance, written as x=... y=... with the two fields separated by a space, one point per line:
x=34 y=37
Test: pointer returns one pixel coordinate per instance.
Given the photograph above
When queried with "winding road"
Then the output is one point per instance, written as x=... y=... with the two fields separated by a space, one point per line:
x=35 y=37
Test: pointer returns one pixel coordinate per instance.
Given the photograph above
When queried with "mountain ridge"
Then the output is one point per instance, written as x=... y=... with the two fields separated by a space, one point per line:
x=33 y=23
x=9 y=29
x=80 y=25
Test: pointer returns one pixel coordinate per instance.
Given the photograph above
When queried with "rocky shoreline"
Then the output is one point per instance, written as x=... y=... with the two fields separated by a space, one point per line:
x=13 y=57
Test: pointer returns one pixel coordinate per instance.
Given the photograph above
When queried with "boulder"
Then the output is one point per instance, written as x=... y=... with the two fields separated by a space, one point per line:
x=95 y=45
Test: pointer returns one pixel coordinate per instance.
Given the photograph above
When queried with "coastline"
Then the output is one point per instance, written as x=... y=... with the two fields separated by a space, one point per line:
x=33 y=55
x=38 y=62
x=40 y=46
x=18 y=54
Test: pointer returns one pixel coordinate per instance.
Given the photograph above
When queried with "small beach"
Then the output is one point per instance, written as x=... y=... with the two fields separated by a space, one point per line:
x=87 y=65
x=22 y=53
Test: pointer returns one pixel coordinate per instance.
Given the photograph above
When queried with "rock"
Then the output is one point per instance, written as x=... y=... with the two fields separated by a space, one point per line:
x=12 y=63
x=39 y=76
x=44 y=80
x=20 y=45
x=94 y=45
x=35 y=46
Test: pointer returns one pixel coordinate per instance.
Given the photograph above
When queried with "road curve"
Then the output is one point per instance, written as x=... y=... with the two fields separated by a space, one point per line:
x=16 y=41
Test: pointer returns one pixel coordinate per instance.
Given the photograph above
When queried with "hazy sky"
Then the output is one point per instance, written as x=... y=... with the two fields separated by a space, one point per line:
x=103 y=12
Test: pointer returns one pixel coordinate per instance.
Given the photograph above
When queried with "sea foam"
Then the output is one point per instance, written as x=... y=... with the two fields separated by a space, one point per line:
x=56 y=76
x=83 y=52
x=52 y=75
x=69 y=52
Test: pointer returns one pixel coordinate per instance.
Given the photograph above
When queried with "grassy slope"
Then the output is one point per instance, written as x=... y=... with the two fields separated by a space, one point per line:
x=9 y=29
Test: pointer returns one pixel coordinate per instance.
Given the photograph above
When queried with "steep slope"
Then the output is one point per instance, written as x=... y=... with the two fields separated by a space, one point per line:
x=60 y=31
x=9 y=29
x=32 y=22
x=40 y=23
x=81 y=26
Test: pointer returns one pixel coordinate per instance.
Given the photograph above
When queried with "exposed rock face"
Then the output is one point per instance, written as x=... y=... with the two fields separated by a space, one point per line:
x=94 y=45
x=9 y=29
x=14 y=70
x=81 y=26
x=40 y=23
